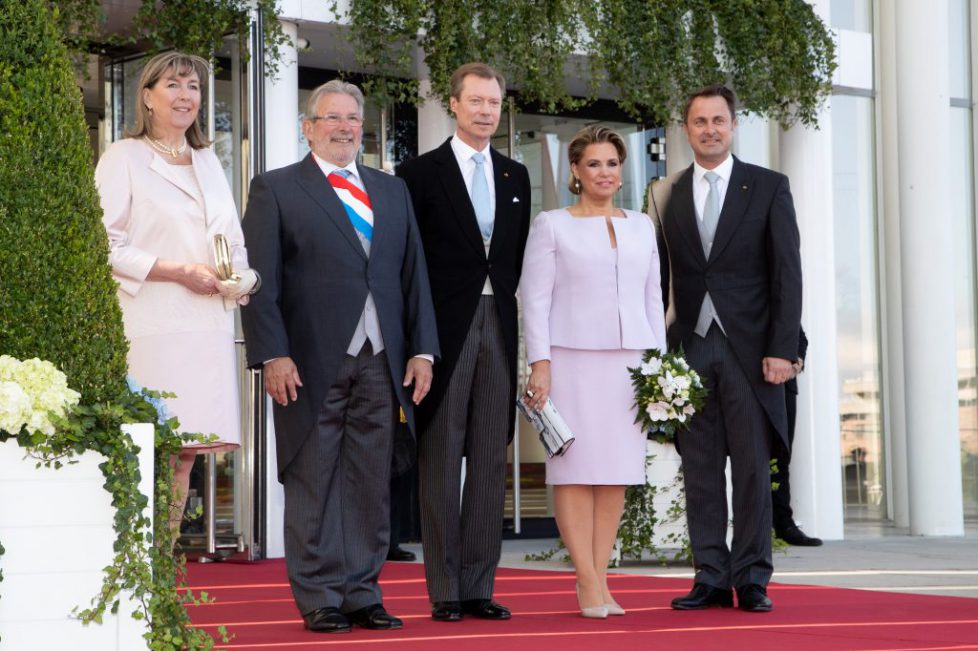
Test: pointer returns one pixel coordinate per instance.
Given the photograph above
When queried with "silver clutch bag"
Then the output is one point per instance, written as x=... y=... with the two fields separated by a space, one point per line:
x=555 y=434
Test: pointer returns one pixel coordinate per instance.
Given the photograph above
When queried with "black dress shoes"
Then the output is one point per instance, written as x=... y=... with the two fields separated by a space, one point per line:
x=374 y=617
x=446 y=611
x=327 y=620
x=753 y=598
x=795 y=536
x=401 y=555
x=704 y=596
x=485 y=609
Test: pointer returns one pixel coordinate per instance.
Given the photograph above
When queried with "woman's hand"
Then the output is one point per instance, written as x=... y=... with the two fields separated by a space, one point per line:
x=538 y=386
x=198 y=278
x=236 y=289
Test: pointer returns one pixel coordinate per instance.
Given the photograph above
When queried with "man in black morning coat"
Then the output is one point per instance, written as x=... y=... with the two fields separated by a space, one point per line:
x=473 y=211
x=734 y=266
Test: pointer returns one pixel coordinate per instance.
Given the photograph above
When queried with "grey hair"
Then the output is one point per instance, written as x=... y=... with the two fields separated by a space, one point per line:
x=329 y=88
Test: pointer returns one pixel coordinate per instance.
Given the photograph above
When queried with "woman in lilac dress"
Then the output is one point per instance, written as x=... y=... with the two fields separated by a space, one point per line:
x=592 y=303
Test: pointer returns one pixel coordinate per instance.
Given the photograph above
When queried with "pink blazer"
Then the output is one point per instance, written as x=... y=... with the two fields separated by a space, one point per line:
x=578 y=292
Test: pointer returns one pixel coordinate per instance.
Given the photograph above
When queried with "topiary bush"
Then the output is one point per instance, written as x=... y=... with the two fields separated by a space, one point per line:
x=58 y=303
x=57 y=295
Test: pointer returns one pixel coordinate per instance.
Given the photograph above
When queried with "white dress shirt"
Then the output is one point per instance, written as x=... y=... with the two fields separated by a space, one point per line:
x=701 y=187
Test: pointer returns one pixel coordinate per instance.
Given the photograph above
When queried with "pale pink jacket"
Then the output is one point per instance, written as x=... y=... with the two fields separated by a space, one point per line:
x=149 y=214
x=578 y=292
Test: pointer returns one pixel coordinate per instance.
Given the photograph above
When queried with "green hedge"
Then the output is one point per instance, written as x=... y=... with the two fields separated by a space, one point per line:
x=57 y=295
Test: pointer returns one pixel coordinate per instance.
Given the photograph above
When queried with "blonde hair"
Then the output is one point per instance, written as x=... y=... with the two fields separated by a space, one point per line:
x=183 y=65
x=591 y=135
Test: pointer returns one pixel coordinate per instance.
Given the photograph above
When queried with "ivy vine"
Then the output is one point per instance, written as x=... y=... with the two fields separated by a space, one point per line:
x=142 y=564
x=777 y=54
x=639 y=521
x=50 y=229
x=637 y=529
x=194 y=26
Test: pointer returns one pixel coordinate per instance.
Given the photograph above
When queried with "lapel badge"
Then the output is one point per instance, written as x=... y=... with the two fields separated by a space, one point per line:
x=516 y=199
x=505 y=175
x=743 y=187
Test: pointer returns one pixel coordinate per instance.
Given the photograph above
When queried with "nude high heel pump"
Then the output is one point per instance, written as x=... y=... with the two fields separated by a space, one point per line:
x=614 y=608
x=592 y=612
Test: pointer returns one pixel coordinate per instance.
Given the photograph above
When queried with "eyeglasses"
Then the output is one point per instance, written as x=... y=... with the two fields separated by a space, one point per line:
x=331 y=119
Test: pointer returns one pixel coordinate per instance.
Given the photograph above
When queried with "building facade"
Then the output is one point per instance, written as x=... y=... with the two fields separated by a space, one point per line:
x=884 y=190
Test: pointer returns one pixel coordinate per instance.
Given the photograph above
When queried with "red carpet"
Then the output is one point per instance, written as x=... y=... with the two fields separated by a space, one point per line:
x=255 y=603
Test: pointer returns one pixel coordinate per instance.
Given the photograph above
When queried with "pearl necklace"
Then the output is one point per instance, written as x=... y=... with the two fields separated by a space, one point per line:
x=163 y=148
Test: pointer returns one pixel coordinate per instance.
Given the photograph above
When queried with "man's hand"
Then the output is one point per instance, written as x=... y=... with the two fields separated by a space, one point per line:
x=796 y=367
x=281 y=380
x=777 y=370
x=419 y=372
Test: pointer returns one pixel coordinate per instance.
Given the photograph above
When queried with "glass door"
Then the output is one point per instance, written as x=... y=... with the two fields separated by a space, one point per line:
x=223 y=516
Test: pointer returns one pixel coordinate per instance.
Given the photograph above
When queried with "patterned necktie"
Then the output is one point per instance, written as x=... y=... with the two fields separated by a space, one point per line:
x=480 y=196
x=711 y=209
x=356 y=203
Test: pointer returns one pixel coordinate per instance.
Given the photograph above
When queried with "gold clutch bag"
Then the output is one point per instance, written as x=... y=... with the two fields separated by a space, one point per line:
x=222 y=259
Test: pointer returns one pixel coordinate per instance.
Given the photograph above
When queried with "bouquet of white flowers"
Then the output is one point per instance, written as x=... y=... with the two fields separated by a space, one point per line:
x=667 y=394
x=30 y=393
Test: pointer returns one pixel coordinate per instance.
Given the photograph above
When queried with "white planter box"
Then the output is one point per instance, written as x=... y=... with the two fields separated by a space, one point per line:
x=662 y=472
x=56 y=526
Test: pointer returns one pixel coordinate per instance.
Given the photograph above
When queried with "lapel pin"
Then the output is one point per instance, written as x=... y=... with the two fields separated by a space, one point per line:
x=743 y=187
x=516 y=199
x=506 y=175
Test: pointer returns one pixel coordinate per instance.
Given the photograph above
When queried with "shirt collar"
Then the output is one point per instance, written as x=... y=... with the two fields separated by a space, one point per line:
x=463 y=151
x=722 y=170
x=328 y=168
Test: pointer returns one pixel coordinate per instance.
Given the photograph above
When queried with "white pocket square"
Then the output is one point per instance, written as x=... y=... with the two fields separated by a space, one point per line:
x=516 y=199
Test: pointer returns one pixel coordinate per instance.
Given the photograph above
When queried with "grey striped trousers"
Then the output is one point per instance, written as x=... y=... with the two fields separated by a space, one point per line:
x=337 y=491
x=462 y=544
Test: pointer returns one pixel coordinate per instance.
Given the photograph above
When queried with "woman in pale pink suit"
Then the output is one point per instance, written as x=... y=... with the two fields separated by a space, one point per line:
x=165 y=197
x=592 y=303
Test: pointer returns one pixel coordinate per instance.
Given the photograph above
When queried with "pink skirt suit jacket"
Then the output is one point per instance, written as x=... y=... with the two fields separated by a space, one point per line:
x=592 y=310
x=179 y=341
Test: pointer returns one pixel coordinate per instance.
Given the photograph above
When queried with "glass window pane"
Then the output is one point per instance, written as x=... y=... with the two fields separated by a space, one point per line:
x=857 y=286
x=398 y=146
x=855 y=15
x=960 y=50
x=541 y=145
x=962 y=187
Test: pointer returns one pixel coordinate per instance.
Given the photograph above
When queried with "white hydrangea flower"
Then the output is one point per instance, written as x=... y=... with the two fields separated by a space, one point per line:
x=31 y=391
x=15 y=407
